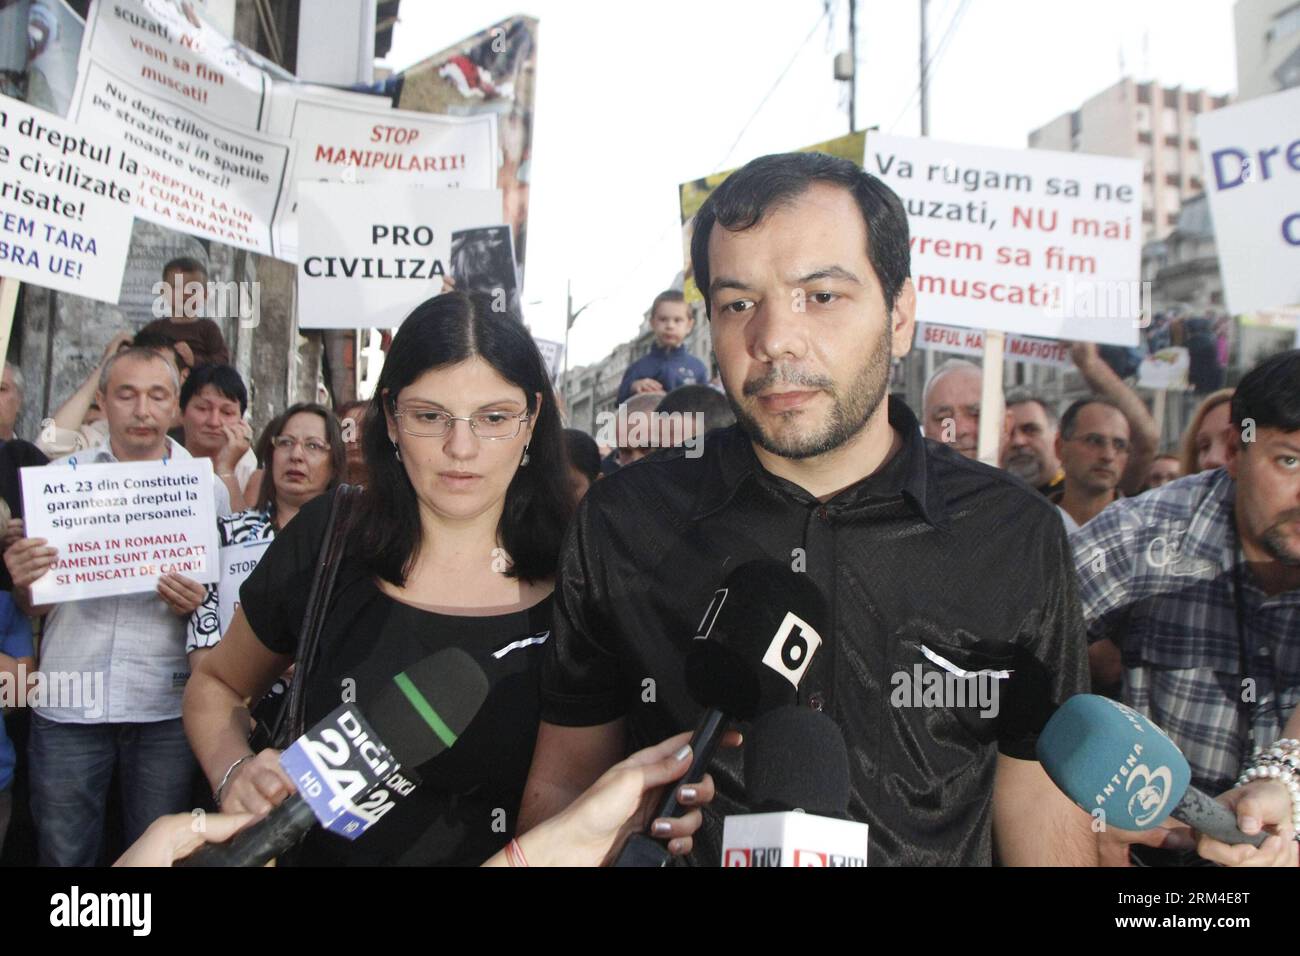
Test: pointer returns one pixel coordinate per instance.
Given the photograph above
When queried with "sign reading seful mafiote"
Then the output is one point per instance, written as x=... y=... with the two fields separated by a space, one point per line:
x=119 y=527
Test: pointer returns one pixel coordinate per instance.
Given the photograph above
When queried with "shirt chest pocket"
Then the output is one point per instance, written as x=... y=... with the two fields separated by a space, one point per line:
x=945 y=697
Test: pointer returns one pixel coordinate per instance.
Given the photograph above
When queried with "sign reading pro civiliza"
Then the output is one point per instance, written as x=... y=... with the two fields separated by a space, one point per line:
x=1251 y=156
x=119 y=527
x=372 y=252
x=1027 y=241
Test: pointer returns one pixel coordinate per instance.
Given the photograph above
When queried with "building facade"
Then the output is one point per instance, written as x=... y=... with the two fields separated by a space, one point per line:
x=1268 y=46
x=1145 y=121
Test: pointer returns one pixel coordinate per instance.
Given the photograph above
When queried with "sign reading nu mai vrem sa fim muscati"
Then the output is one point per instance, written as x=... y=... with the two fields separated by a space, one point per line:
x=119 y=527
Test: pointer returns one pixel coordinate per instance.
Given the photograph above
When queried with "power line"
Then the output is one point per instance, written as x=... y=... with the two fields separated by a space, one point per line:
x=826 y=9
x=932 y=63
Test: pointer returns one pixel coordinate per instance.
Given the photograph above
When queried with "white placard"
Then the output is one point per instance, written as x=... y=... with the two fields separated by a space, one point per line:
x=372 y=253
x=1026 y=241
x=119 y=527
x=197 y=174
x=1020 y=348
x=342 y=143
x=552 y=355
x=1250 y=157
x=1167 y=369
x=173 y=53
x=237 y=563
x=65 y=204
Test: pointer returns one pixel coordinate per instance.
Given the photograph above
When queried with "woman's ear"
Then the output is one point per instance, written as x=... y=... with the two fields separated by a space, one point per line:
x=537 y=412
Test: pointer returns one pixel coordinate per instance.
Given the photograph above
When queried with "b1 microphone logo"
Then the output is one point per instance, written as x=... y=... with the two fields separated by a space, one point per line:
x=792 y=648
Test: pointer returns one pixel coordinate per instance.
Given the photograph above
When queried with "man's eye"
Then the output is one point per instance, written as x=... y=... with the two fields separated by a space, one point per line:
x=740 y=305
x=824 y=298
x=1289 y=461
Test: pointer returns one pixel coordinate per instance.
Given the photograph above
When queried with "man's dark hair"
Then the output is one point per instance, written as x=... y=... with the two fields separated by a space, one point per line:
x=748 y=194
x=1020 y=396
x=186 y=264
x=690 y=399
x=668 y=295
x=584 y=453
x=1269 y=394
x=156 y=342
x=1070 y=418
x=223 y=378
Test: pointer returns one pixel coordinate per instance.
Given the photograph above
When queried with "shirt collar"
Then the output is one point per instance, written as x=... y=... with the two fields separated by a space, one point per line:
x=665 y=352
x=103 y=453
x=907 y=475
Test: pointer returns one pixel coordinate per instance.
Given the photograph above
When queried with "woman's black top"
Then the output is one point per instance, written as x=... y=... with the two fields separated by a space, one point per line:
x=466 y=807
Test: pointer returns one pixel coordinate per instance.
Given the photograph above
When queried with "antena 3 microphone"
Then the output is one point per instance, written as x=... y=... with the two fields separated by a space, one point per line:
x=1121 y=768
x=352 y=768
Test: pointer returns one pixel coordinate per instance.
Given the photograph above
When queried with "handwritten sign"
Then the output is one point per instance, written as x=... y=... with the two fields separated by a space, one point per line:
x=237 y=563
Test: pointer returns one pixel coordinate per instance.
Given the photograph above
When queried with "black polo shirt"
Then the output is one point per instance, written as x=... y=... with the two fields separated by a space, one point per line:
x=933 y=551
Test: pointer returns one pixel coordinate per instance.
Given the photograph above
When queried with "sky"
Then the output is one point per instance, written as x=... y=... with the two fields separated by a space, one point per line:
x=634 y=99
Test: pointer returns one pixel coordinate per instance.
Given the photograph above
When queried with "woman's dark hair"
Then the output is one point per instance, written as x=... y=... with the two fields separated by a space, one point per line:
x=224 y=378
x=1269 y=394
x=584 y=453
x=333 y=435
x=747 y=195
x=441 y=332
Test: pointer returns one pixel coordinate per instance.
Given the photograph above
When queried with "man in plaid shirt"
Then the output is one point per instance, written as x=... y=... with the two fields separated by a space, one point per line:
x=1192 y=590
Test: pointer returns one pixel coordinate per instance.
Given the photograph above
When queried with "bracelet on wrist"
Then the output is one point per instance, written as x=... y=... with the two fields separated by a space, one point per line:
x=225 y=778
x=1280 y=762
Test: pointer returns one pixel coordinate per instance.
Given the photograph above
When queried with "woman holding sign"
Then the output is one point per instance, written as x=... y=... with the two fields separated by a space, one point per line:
x=303 y=456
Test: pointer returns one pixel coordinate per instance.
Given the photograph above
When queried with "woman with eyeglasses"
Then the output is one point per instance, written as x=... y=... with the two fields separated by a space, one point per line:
x=302 y=457
x=452 y=543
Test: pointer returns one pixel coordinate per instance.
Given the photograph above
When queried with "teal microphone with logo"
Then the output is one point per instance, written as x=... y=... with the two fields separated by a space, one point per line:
x=1108 y=757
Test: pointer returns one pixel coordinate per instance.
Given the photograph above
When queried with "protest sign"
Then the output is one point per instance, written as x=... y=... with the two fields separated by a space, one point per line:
x=1165 y=369
x=348 y=143
x=66 y=200
x=552 y=354
x=1019 y=348
x=1251 y=156
x=237 y=563
x=197 y=174
x=1025 y=241
x=372 y=253
x=118 y=527
x=691 y=195
x=494 y=71
x=169 y=51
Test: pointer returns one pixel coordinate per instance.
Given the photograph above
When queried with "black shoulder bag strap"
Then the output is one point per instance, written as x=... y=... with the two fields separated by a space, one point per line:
x=292 y=718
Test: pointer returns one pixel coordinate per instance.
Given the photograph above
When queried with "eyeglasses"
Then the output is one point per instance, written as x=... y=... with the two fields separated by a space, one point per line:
x=428 y=423
x=310 y=446
x=1099 y=442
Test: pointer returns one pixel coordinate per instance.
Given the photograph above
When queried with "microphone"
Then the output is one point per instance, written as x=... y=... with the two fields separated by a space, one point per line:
x=796 y=760
x=797 y=779
x=1112 y=761
x=346 y=775
x=751 y=649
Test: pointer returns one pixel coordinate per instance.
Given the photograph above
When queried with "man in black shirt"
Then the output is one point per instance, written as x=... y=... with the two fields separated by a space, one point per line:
x=929 y=562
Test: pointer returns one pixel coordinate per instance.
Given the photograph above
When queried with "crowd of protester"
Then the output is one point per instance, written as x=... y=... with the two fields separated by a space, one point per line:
x=1186 y=563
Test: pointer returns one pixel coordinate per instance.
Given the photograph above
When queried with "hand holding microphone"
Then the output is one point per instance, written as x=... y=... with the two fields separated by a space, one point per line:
x=1121 y=768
